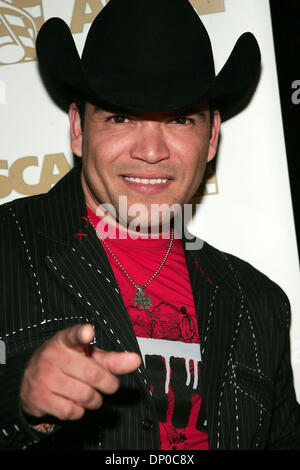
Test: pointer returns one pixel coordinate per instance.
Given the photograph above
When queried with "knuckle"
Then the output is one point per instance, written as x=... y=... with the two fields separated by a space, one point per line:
x=93 y=374
x=114 y=385
x=33 y=410
x=109 y=383
x=97 y=401
x=68 y=412
x=47 y=352
x=77 y=414
x=86 y=396
x=30 y=410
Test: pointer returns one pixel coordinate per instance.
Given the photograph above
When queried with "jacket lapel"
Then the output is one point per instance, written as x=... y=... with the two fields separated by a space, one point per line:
x=217 y=304
x=84 y=270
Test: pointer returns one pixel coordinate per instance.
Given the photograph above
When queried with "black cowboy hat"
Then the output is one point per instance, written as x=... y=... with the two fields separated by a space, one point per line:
x=147 y=55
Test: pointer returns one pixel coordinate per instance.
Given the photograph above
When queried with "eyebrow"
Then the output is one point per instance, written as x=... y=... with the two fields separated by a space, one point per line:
x=186 y=111
x=176 y=112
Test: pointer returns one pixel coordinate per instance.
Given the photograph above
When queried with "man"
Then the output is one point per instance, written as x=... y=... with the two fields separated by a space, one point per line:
x=117 y=339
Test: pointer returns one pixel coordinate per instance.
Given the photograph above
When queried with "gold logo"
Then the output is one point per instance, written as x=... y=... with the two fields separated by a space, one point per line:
x=53 y=168
x=86 y=10
x=20 y=21
x=205 y=7
x=209 y=184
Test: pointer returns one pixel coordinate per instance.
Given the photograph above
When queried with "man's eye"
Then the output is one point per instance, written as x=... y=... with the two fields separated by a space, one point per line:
x=182 y=120
x=118 y=119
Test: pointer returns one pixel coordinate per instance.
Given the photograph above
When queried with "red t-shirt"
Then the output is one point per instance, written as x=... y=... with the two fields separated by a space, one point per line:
x=166 y=331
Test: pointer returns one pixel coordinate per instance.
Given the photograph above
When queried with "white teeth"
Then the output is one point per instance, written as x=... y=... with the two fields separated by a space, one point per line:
x=146 y=181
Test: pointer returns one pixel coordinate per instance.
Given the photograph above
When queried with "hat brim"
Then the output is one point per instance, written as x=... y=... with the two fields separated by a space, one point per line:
x=66 y=79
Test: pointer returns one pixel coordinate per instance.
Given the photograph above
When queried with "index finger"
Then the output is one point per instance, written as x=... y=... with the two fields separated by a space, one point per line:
x=117 y=363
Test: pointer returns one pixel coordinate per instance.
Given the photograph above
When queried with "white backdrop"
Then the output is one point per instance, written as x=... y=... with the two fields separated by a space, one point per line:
x=250 y=214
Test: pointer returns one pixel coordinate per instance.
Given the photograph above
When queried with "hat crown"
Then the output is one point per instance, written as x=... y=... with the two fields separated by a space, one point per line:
x=159 y=37
x=146 y=55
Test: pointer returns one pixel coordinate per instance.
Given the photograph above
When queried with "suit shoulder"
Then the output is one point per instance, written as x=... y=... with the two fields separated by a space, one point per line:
x=25 y=210
x=21 y=204
x=257 y=287
x=252 y=277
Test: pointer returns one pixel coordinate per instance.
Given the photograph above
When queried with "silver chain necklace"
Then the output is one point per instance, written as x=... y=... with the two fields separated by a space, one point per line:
x=139 y=297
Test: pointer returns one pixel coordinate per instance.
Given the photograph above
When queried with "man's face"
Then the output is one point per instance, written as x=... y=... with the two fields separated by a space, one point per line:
x=152 y=158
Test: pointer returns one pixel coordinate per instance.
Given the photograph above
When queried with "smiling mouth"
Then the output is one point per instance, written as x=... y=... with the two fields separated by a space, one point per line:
x=146 y=180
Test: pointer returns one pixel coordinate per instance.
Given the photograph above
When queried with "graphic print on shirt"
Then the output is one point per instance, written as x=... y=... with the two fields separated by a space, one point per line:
x=164 y=321
x=169 y=344
x=174 y=375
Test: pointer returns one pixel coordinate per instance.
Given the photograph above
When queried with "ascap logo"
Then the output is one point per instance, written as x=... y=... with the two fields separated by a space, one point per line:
x=20 y=21
x=54 y=167
x=205 y=7
x=209 y=185
x=86 y=10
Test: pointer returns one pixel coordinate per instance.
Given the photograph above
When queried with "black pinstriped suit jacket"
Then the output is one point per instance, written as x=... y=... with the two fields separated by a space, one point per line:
x=51 y=280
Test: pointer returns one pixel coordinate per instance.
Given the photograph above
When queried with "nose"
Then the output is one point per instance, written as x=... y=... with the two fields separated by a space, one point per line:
x=150 y=143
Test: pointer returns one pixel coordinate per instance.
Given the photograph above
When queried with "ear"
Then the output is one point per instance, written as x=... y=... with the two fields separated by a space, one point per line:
x=75 y=130
x=214 y=137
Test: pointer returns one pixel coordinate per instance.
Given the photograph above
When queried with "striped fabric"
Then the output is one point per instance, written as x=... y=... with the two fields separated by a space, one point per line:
x=52 y=279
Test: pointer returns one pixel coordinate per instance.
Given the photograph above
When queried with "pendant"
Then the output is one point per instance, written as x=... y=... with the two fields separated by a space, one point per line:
x=141 y=299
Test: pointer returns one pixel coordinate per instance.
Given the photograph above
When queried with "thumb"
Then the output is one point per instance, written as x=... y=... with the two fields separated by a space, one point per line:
x=77 y=336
